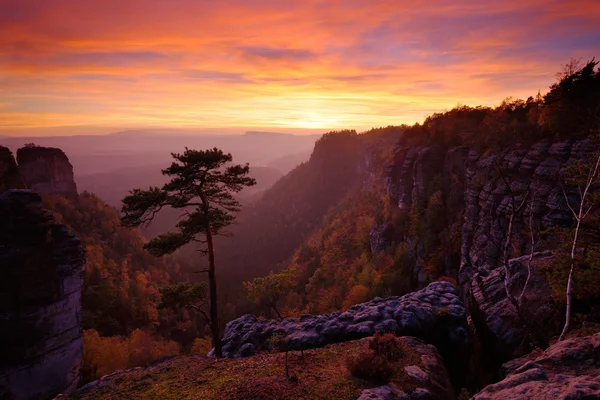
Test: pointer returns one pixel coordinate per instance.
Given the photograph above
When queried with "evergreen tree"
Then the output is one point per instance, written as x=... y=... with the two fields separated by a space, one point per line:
x=201 y=186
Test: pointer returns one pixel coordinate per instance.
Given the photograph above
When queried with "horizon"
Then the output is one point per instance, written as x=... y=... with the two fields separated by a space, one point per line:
x=74 y=68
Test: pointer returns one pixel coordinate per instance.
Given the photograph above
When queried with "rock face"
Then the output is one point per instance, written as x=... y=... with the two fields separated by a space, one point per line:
x=566 y=370
x=430 y=377
x=531 y=172
x=434 y=314
x=41 y=274
x=47 y=171
x=9 y=172
x=380 y=237
x=500 y=329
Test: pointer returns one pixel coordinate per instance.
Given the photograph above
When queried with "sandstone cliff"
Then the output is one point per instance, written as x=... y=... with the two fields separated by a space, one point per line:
x=9 y=172
x=477 y=207
x=47 y=171
x=41 y=275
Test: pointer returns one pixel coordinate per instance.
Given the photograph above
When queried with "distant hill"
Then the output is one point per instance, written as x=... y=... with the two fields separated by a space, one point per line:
x=137 y=148
x=289 y=161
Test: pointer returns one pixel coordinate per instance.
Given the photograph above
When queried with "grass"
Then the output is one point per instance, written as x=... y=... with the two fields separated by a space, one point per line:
x=321 y=374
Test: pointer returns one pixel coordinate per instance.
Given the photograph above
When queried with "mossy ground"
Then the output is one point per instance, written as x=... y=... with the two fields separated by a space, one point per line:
x=321 y=374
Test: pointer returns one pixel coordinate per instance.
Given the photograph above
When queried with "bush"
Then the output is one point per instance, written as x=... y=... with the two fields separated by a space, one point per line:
x=104 y=355
x=376 y=364
x=386 y=345
x=202 y=346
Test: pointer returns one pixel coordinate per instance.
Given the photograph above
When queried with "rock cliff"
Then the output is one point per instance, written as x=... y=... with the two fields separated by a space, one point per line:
x=531 y=172
x=41 y=275
x=478 y=205
x=47 y=171
x=9 y=172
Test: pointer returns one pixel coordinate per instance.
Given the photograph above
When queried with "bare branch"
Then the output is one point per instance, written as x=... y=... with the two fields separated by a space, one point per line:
x=568 y=202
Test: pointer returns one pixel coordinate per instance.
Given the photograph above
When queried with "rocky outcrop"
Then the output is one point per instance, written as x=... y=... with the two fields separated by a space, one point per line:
x=434 y=314
x=503 y=333
x=532 y=172
x=567 y=370
x=41 y=274
x=47 y=171
x=428 y=377
x=9 y=173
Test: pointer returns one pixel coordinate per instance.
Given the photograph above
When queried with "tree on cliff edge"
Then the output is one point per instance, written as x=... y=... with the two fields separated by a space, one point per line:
x=202 y=187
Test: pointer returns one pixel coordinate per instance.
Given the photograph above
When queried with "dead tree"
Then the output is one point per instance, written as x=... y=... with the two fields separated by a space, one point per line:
x=580 y=212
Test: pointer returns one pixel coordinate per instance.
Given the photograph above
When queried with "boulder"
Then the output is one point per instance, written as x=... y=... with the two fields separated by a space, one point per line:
x=567 y=370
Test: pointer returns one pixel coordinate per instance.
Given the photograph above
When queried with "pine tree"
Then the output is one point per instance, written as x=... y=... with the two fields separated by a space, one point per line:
x=202 y=186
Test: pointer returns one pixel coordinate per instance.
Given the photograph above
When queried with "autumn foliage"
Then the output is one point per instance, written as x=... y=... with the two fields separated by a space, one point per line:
x=104 y=355
x=376 y=364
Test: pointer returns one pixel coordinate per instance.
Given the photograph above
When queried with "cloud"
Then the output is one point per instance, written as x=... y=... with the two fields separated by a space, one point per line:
x=346 y=63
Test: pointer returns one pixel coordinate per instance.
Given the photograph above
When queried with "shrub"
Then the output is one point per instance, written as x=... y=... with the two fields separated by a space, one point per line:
x=201 y=346
x=386 y=345
x=104 y=355
x=376 y=364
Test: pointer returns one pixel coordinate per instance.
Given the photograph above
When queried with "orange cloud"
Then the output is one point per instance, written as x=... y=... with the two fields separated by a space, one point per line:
x=293 y=64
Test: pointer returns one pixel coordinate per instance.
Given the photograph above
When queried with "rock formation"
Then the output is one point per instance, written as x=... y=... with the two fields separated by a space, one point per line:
x=47 y=171
x=499 y=327
x=430 y=377
x=477 y=203
x=532 y=172
x=9 y=172
x=434 y=314
x=567 y=370
x=41 y=274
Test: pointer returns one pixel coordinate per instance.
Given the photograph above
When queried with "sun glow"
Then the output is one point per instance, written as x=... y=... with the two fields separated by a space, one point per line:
x=304 y=64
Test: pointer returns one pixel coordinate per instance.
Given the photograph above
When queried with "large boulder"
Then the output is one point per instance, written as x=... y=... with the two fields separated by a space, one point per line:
x=41 y=275
x=567 y=370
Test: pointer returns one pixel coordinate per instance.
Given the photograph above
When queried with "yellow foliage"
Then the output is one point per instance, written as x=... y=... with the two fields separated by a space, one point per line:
x=201 y=346
x=358 y=294
x=104 y=355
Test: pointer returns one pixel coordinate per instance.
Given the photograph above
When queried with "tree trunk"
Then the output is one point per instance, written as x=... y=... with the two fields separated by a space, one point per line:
x=274 y=307
x=212 y=285
x=570 y=281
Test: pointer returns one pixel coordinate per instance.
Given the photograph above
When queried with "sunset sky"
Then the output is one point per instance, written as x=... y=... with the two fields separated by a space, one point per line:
x=94 y=66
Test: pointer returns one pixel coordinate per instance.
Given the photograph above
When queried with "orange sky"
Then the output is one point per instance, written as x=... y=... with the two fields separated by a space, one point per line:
x=92 y=66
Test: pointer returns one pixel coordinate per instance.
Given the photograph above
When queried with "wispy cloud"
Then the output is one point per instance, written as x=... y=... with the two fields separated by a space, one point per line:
x=298 y=63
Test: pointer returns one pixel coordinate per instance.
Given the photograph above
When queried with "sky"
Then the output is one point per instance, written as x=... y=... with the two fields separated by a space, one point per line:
x=95 y=66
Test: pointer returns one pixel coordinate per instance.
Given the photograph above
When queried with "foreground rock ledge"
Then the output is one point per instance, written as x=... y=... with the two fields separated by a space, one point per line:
x=321 y=374
x=566 y=370
x=434 y=314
